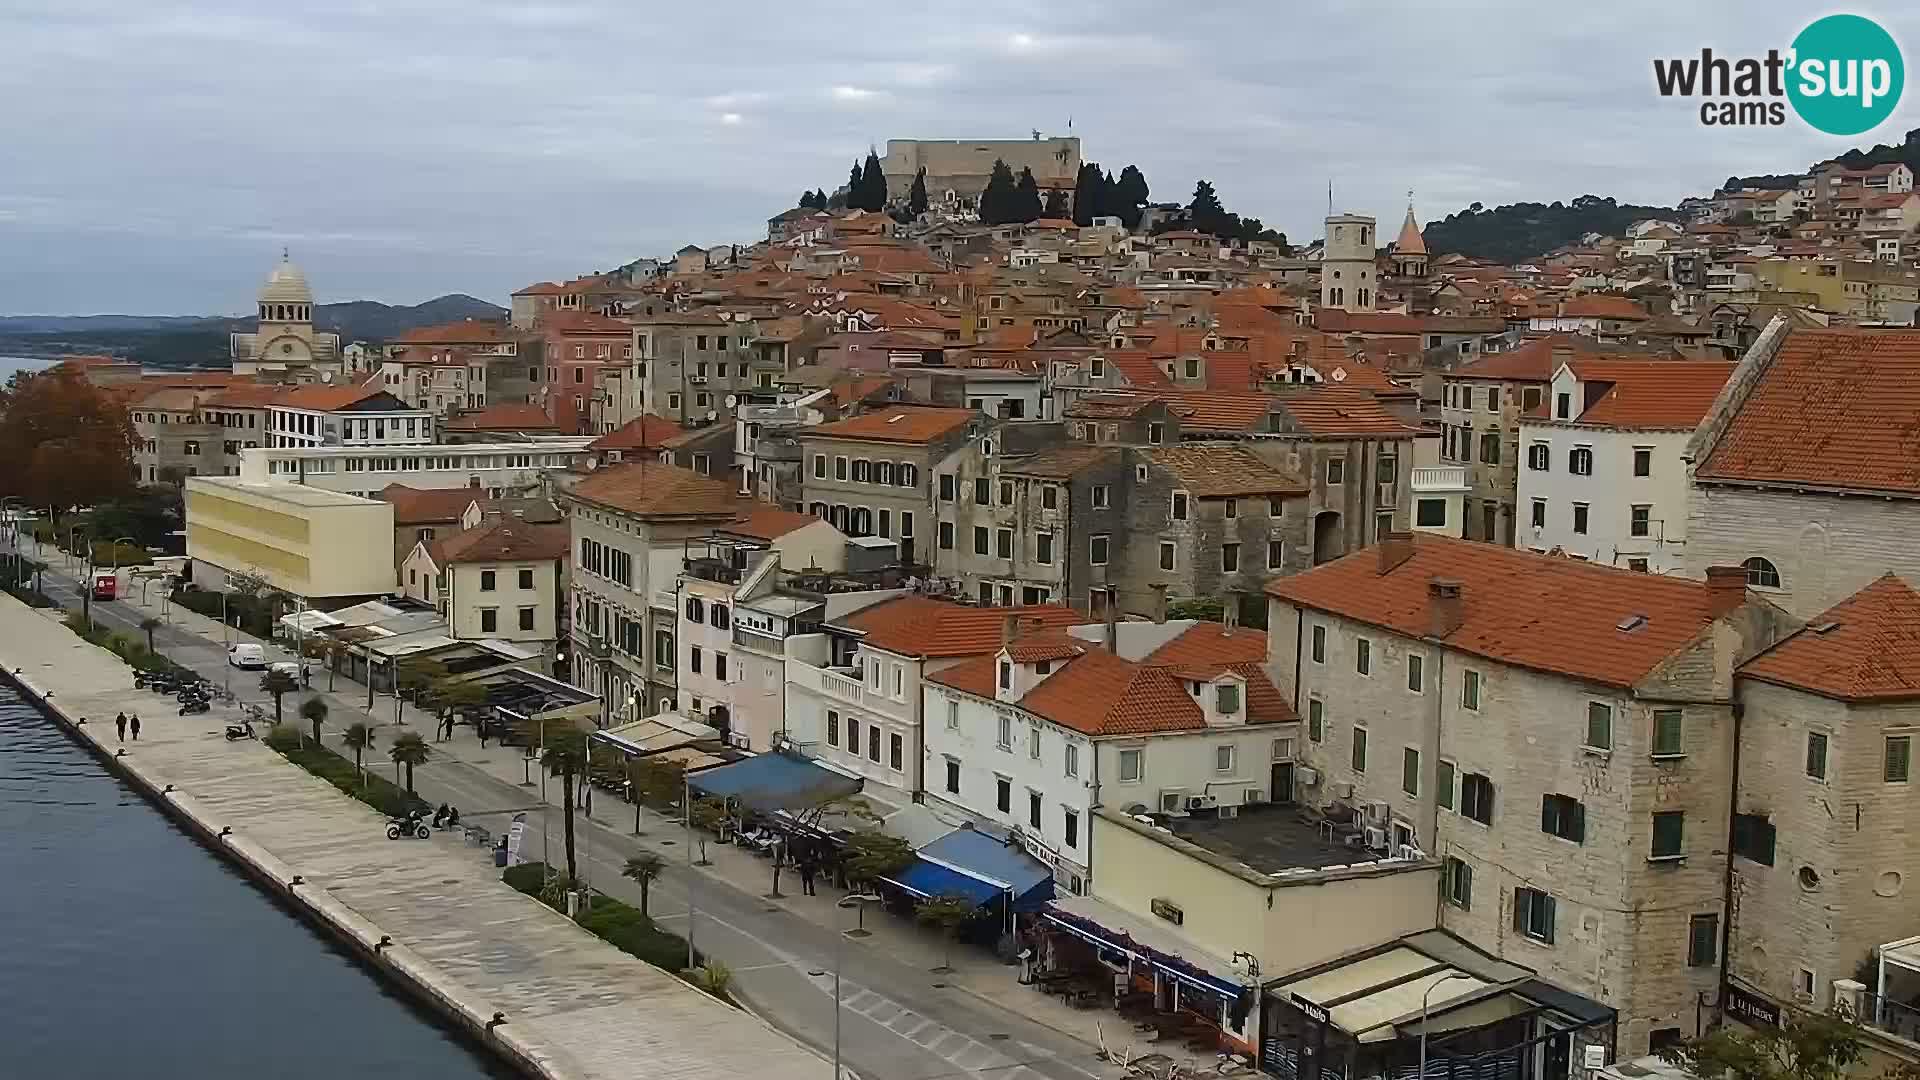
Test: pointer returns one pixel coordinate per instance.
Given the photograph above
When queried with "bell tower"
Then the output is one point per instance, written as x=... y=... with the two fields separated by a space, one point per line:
x=1347 y=268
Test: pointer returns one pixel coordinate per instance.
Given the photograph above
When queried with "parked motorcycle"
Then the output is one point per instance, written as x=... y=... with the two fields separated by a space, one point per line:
x=411 y=825
x=195 y=705
x=241 y=730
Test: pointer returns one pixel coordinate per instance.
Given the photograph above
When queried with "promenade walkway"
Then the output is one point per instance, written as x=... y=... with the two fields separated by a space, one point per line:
x=574 y=1006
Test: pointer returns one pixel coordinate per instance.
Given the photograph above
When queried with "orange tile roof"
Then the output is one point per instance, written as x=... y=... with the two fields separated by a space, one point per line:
x=540 y=288
x=858 y=388
x=1869 y=649
x=897 y=424
x=770 y=523
x=1652 y=394
x=419 y=506
x=1534 y=360
x=584 y=322
x=505 y=416
x=326 y=398
x=643 y=432
x=1330 y=412
x=245 y=396
x=1060 y=462
x=924 y=627
x=1533 y=611
x=1835 y=408
x=464 y=332
x=655 y=489
x=1138 y=367
x=504 y=541
x=1602 y=306
x=1218 y=471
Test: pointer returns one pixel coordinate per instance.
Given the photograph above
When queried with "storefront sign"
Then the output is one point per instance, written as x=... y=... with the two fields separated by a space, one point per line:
x=1749 y=1007
x=1315 y=1013
x=1167 y=910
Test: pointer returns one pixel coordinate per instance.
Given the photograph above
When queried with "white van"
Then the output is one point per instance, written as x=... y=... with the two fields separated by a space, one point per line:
x=247 y=657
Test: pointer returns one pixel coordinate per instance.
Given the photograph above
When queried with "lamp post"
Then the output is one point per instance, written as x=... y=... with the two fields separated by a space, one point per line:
x=1425 y=1000
x=858 y=901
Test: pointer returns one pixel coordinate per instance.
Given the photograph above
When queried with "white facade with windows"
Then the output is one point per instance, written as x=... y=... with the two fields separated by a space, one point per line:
x=493 y=468
x=859 y=709
x=297 y=427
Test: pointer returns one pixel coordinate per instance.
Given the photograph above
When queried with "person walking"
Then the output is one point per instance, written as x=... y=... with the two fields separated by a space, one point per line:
x=120 y=725
x=134 y=723
x=808 y=868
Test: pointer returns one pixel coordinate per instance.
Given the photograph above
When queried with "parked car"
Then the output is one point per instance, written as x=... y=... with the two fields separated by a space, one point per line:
x=247 y=657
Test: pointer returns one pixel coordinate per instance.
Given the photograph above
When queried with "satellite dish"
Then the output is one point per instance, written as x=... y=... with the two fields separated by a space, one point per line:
x=733 y=400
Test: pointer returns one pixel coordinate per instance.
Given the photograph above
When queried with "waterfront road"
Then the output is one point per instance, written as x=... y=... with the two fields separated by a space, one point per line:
x=902 y=1018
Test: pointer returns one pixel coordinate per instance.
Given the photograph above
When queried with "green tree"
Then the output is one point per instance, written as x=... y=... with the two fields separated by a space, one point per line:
x=358 y=738
x=1089 y=195
x=315 y=711
x=65 y=441
x=410 y=750
x=447 y=696
x=946 y=914
x=917 y=196
x=1130 y=194
x=806 y=200
x=872 y=188
x=872 y=855
x=147 y=626
x=1205 y=211
x=1806 y=1047
x=1026 y=197
x=644 y=870
x=997 y=200
x=565 y=756
x=707 y=815
x=279 y=684
x=1056 y=205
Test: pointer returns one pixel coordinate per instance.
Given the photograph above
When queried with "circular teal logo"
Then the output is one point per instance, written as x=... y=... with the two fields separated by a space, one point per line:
x=1846 y=74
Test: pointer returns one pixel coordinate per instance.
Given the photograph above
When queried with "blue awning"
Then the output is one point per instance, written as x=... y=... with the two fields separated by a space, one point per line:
x=1021 y=876
x=774 y=781
x=927 y=880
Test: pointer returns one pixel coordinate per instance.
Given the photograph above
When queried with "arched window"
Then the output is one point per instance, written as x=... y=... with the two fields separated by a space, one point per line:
x=1580 y=461
x=696 y=611
x=1761 y=573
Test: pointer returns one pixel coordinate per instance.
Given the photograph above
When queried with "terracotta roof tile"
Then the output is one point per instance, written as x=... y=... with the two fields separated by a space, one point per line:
x=897 y=424
x=504 y=541
x=421 y=506
x=1835 y=408
x=920 y=626
x=1217 y=471
x=1328 y=412
x=770 y=523
x=1535 y=360
x=505 y=416
x=325 y=398
x=1602 y=306
x=1060 y=462
x=1533 y=611
x=654 y=489
x=1866 y=647
x=245 y=396
x=463 y=332
x=1652 y=394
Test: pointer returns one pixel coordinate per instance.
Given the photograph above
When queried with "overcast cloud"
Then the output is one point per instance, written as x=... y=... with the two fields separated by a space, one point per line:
x=156 y=154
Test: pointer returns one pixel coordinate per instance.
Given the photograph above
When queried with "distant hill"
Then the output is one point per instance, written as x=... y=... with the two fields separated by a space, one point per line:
x=200 y=340
x=1522 y=231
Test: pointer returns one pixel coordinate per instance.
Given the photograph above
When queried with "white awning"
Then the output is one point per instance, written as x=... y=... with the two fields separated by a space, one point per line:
x=1904 y=953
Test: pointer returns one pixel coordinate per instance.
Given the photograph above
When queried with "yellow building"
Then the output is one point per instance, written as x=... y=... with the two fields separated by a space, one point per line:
x=304 y=541
x=1872 y=292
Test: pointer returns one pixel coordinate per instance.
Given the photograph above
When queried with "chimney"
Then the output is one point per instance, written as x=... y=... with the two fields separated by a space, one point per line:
x=1159 y=602
x=1229 y=612
x=1446 y=609
x=1112 y=599
x=1726 y=589
x=1394 y=548
x=1009 y=629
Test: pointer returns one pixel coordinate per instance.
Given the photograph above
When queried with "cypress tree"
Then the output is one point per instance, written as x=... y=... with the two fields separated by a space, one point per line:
x=1086 y=194
x=873 y=185
x=996 y=202
x=917 y=197
x=1056 y=206
x=1026 y=202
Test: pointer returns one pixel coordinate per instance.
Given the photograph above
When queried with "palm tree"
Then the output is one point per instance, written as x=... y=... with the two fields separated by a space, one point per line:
x=410 y=750
x=149 y=625
x=644 y=869
x=315 y=711
x=278 y=683
x=566 y=757
x=359 y=736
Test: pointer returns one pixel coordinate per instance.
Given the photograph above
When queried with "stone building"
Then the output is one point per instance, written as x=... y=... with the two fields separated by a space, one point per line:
x=957 y=169
x=1347 y=271
x=1560 y=734
x=1803 y=472
x=284 y=343
x=873 y=474
x=1481 y=404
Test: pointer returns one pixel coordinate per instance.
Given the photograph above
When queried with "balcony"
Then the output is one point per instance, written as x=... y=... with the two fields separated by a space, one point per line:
x=1439 y=479
x=838 y=684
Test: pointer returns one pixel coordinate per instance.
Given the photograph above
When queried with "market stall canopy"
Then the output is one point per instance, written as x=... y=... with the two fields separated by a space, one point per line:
x=667 y=731
x=970 y=863
x=775 y=781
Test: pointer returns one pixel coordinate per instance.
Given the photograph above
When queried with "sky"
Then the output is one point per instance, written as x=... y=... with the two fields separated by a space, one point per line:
x=156 y=155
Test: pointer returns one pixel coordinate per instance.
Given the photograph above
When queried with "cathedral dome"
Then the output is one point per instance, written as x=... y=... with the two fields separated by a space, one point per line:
x=286 y=285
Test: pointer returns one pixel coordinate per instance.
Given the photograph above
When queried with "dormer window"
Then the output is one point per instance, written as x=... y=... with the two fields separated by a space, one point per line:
x=1044 y=667
x=1228 y=698
x=1006 y=675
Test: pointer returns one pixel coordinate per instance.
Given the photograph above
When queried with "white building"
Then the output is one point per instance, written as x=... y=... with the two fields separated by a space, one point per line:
x=854 y=689
x=284 y=343
x=1142 y=717
x=1558 y=733
x=503 y=580
x=494 y=469
x=1603 y=474
x=345 y=416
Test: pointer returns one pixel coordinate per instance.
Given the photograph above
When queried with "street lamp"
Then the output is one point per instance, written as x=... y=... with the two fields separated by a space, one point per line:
x=1424 y=1005
x=851 y=900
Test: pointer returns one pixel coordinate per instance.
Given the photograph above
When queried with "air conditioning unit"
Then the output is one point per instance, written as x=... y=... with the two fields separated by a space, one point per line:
x=1376 y=839
x=697 y=380
x=1306 y=776
x=1378 y=812
x=1202 y=802
x=1229 y=811
x=1343 y=789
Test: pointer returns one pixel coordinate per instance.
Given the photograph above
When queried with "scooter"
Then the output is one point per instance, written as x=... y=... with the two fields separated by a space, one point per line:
x=411 y=825
x=195 y=705
x=239 y=731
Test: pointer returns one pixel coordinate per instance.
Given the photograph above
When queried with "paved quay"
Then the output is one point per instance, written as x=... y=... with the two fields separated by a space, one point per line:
x=575 y=1008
